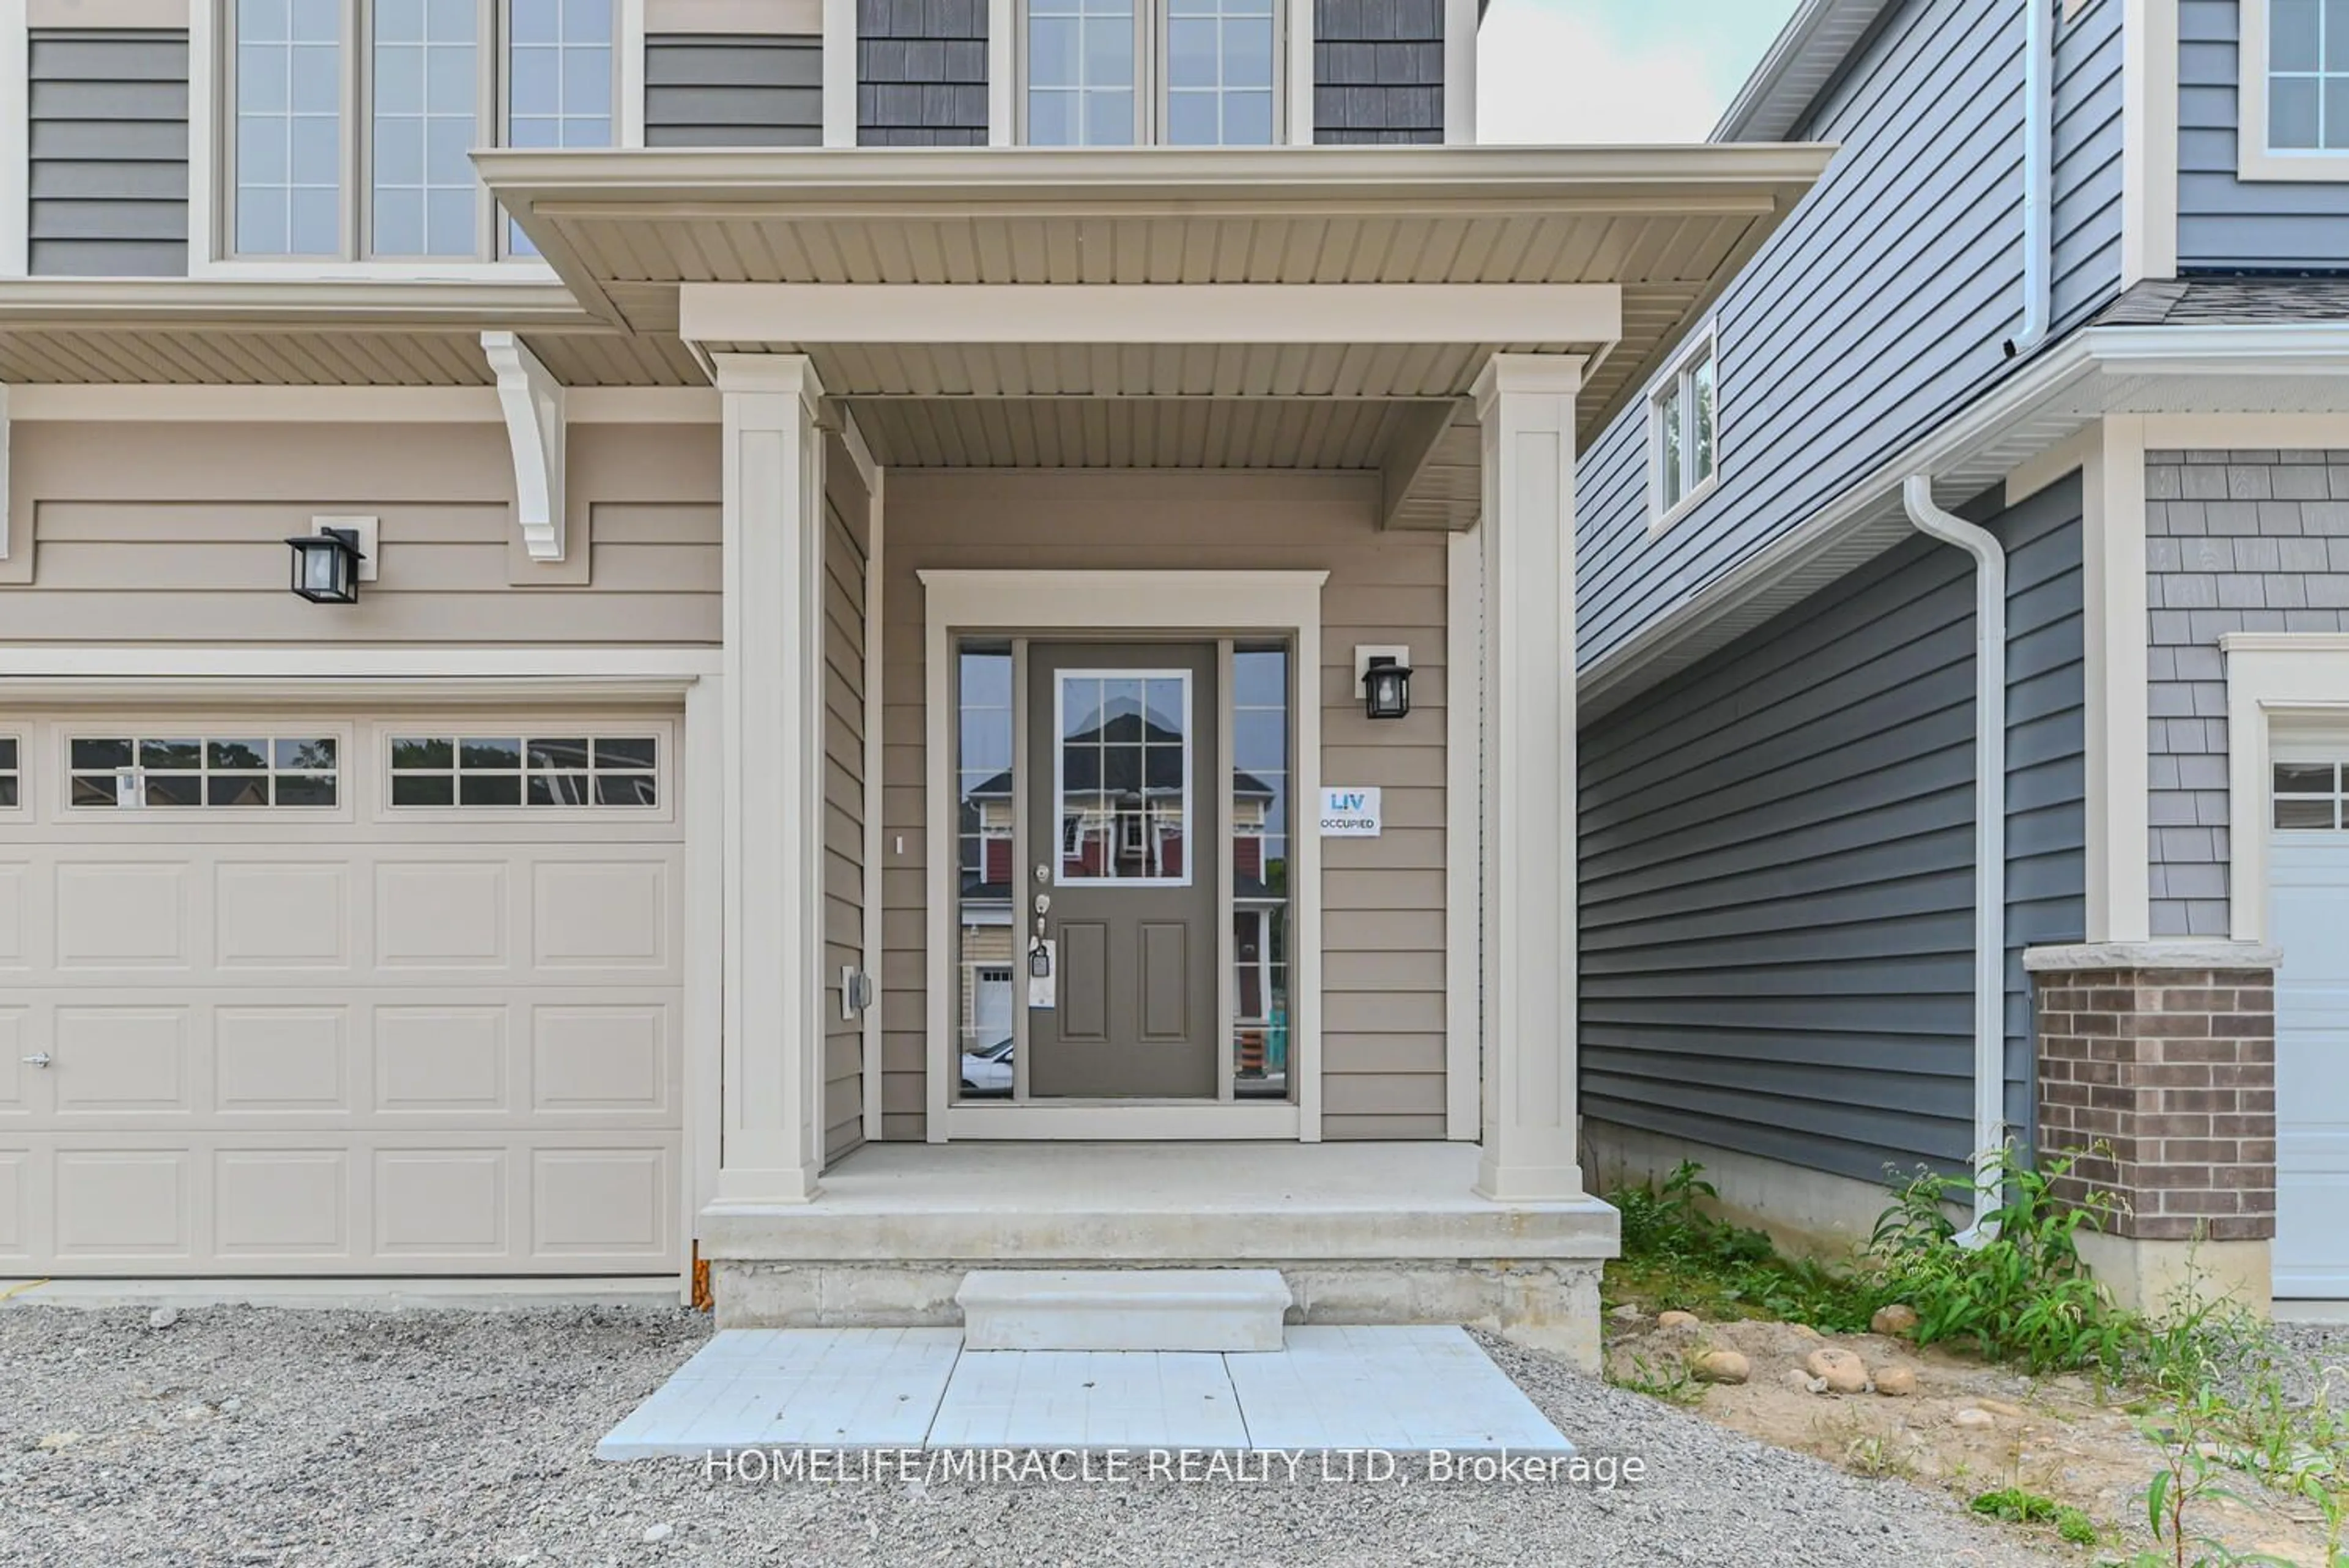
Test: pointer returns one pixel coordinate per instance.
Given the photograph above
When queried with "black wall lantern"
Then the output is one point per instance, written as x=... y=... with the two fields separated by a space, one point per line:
x=326 y=566
x=1386 y=687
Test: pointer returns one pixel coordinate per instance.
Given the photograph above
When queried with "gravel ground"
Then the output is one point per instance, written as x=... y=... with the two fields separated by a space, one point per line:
x=2314 y=1353
x=246 y=1435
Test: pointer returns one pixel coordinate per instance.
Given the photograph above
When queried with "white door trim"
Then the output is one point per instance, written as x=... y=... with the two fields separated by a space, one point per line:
x=458 y=675
x=2299 y=677
x=1211 y=605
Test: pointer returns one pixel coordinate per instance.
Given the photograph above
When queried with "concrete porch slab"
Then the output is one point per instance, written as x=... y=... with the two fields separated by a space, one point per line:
x=1156 y=1202
x=1404 y=1389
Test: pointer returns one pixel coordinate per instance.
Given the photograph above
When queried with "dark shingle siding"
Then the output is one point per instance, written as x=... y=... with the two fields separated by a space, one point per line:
x=1378 y=70
x=734 y=91
x=109 y=154
x=921 y=73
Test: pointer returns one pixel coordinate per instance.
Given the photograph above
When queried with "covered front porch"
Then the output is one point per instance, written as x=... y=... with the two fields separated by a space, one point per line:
x=1120 y=422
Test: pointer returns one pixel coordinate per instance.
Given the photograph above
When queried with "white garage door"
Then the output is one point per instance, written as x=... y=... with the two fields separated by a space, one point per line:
x=2309 y=876
x=336 y=993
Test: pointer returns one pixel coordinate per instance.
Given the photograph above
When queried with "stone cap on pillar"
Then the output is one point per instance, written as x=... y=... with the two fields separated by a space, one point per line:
x=2189 y=953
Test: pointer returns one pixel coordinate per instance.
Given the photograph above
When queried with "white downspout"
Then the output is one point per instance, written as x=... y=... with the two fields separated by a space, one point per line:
x=2038 y=175
x=1990 y=824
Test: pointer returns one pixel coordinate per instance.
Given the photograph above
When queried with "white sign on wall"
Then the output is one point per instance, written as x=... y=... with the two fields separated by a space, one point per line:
x=1349 y=811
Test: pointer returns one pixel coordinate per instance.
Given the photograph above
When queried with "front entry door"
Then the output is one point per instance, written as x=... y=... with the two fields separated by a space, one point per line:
x=1124 y=828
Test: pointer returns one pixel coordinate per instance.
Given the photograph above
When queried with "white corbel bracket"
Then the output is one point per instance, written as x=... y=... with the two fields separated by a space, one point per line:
x=532 y=400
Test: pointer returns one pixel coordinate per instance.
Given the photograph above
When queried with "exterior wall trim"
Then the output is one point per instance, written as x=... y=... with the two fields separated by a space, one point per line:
x=15 y=134
x=1461 y=20
x=875 y=763
x=2114 y=595
x=1463 y=811
x=840 y=75
x=2150 y=44
x=2270 y=676
x=955 y=601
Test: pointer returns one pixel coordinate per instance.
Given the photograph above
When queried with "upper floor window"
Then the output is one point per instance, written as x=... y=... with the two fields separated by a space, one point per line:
x=1123 y=73
x=1683 y=456
x=2308 y=75
x=347 y=153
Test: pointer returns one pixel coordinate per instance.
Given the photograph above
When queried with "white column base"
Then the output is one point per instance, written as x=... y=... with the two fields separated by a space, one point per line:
x=1521 y=1180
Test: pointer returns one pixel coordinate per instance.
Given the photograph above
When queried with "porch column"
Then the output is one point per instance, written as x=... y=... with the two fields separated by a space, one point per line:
x=1526 y=403
x=771 y=1150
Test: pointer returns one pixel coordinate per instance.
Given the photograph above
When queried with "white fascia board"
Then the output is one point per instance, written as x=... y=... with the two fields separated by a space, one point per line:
x=1151 y=313
x=164 y=663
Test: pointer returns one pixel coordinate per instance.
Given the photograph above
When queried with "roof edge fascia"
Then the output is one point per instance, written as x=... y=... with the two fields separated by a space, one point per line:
x=31 y=302
x=1309 y=176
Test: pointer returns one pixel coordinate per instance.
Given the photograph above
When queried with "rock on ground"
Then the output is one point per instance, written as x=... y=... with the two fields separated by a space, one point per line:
x=416 y=1439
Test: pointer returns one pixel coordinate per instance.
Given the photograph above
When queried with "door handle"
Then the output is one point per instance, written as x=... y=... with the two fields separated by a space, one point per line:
x=37 y=1059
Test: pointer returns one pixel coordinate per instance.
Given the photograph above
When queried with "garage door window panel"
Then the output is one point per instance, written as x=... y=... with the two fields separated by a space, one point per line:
x=2309 y=796
x=574 y=770
x=11 y=775
x=242 y=770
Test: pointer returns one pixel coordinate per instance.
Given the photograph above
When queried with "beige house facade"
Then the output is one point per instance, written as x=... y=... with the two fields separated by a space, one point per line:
x=848 y=754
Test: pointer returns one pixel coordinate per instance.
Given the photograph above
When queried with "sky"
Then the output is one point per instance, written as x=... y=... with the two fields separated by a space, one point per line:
x=1616 y=71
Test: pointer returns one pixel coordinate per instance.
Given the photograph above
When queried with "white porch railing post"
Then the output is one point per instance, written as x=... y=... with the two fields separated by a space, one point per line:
x=1527 y=405
x=771 y=1145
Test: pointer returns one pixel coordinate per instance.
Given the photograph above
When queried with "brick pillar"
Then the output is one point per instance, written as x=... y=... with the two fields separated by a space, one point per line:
x=2172 y=1068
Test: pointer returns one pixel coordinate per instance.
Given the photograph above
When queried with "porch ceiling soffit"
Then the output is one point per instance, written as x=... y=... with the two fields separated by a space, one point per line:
x=2296 y=369
x=627 y=229
x=242 y=332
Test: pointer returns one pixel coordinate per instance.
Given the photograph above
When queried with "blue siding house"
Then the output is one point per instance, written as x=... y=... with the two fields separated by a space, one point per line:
x=1961 y=644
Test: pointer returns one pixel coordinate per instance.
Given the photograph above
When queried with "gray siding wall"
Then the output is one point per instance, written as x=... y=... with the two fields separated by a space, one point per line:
x=2235 y=540
x=921 y=73
x=1378 y=70
x=733 y=89
x=108 y=134
x=1777 y=863
x=2087 y=165
x=2224 y=223
x=1882 y=307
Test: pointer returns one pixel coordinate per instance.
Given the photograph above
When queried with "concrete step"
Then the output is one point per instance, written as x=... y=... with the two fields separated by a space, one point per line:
x=1122 y=1309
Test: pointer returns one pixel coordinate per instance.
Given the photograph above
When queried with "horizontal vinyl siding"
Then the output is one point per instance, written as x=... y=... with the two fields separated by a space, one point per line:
x=1378 y=70
x=2047 y=750
x=2225 y=223
x=1777 y=865
x=108 y=133
x=1383 y=898
x=174 y=532
x=2087 y=229
x=846 y=549
x=733 y=89
x=1882 y=305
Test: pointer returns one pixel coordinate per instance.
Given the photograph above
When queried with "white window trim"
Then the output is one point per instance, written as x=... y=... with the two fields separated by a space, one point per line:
x=211 y=192
x=1700 y=345
x=1202 y=604
x=2295 y=681
x=2254 y=160
x=1007 y=74
x=1060 y=782
x=662 y=732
